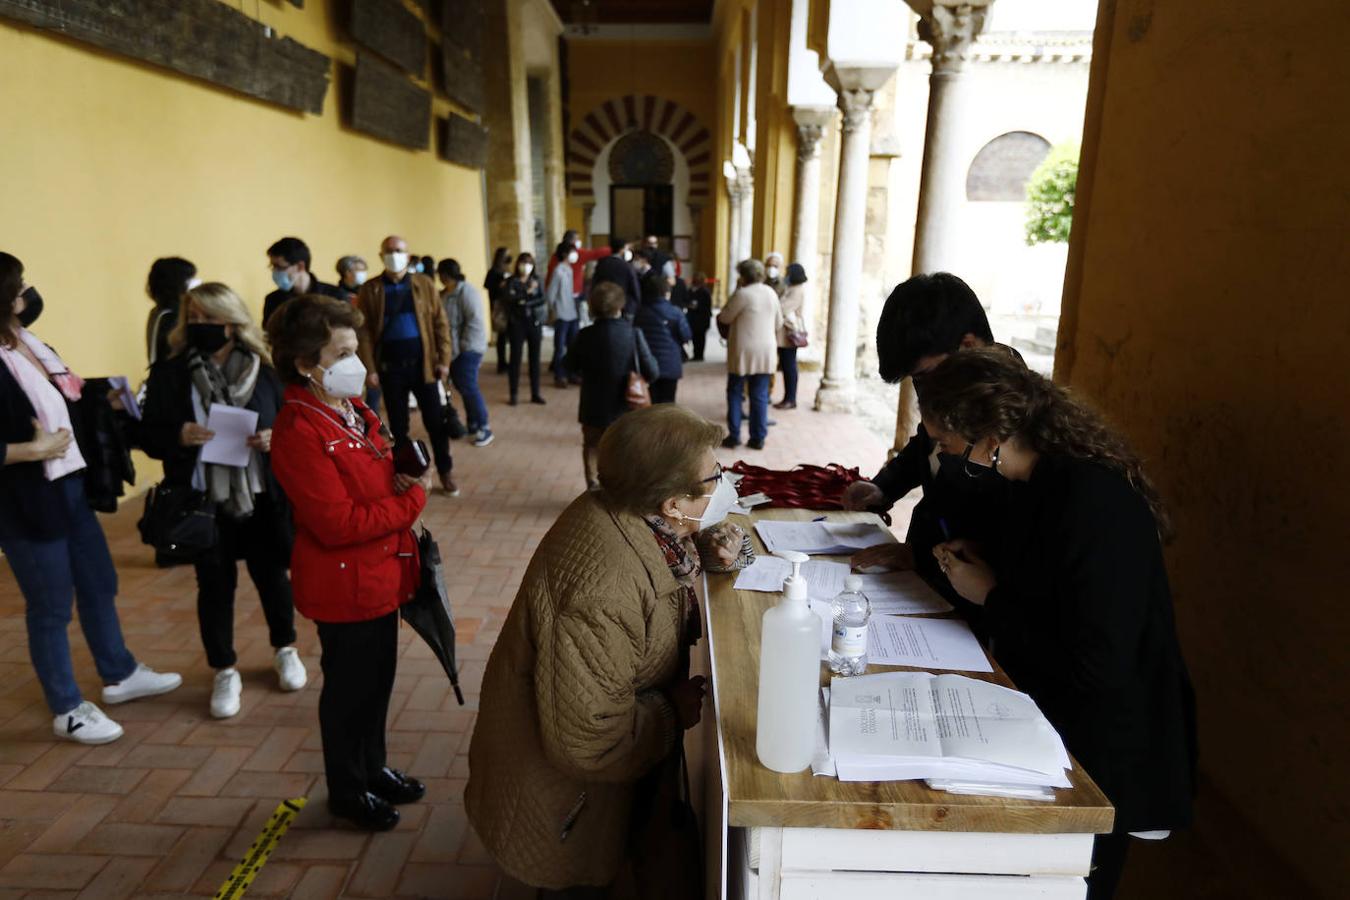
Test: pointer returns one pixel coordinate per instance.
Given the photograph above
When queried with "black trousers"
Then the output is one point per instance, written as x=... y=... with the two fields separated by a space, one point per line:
x=255 y=541
x=699 y=326
x=524 y=332
x=787 y=364
x=663 y=390
x=397 y=384
x=1108 y=862
x=359 y=660
x=501 y=351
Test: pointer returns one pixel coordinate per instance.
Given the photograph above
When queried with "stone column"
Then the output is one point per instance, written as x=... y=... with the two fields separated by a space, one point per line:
x=850 y=210
x=733 y=233
x=811 y=122
x=745 y=182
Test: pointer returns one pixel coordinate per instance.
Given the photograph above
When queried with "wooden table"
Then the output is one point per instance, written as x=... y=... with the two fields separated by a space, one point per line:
x=800 y=836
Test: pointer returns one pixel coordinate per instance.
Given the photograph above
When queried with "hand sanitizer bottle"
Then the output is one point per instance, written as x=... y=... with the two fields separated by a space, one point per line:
x=848 y=643
x=789 y=676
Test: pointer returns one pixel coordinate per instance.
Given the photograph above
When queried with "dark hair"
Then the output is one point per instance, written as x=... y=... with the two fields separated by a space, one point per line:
x=449 y=268
x=923 y=316
x=654 y=287
x=796 y=273
x=524 y=257
x=293 y=250
x=168 y=280
x=500 y=257
x=563 y=249
x=616 y=243
x=11 y=280
x=300 y=329
x=606 y=300
x=428 y=264
x=988 y=392
x=570 y=235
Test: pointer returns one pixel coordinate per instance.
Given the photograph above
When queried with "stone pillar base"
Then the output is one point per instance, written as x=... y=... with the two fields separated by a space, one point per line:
x=835 y=396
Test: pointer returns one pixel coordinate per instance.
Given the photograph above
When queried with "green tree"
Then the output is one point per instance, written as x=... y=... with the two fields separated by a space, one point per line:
x=1050 y=196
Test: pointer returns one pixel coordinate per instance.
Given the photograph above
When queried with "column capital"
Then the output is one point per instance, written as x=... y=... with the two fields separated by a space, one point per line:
x=811 y=122
x=950 y=27
x=856 y=105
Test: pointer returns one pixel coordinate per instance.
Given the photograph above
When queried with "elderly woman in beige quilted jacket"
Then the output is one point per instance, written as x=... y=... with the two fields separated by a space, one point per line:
x=587 y=692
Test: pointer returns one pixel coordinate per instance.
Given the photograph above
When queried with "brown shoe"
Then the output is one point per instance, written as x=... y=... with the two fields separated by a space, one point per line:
x=448 y=485
x=785 y=404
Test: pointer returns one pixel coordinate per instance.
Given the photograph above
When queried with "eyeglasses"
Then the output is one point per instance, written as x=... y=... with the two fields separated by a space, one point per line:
x=716 y=475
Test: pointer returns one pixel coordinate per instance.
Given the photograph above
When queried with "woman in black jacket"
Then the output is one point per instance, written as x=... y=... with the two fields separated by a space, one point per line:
x=492 y=283
x=664 y=326
x=1075 y=596
x=169 y=279
x=50 y=537
x=526 y=310
x=603 y=355
x=219 y=359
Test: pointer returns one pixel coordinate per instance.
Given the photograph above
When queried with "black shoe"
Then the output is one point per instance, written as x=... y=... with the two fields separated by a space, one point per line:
x=365 y=811
x=730 y=443
x=786 y=404
x=559 y=382
x=754 y=444
x=513 y=401
x=392 y=786
x=537 y=399
x=502 y=370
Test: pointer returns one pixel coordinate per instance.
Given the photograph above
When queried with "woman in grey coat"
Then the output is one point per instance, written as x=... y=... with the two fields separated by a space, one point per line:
x=468 y=341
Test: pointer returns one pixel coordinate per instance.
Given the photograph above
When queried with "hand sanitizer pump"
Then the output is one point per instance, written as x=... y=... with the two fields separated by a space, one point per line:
x=789 y=676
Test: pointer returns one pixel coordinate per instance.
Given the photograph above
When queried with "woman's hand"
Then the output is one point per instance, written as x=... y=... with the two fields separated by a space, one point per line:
x=115 y=401
x=891 y=557
x=687 y=698
x=970 y=575
x=194 y=435
x=861 y=496
x=262 y=441
x=725 y=540
x=49 y=444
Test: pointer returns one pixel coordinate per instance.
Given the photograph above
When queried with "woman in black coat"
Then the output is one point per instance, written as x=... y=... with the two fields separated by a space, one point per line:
x=492 y=283
x=603 y=355
x=664 y=326
x=219 y=359
x=526 y=310
x=169 y=279
x=1075 y=595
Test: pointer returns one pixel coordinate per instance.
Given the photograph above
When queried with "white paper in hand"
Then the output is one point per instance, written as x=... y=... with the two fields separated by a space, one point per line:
x=233 y=427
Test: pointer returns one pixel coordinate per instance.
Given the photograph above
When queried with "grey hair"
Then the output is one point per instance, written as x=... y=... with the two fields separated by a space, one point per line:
x=773 y=255
x=347 y=263
x=750 y=270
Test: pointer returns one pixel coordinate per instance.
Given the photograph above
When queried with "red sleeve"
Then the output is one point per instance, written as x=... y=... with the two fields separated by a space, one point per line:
x=318 y=495
x=579 y=270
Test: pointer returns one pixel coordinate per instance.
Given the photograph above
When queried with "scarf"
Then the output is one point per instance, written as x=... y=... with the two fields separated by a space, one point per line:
x=230 y=487
x=48 y=395
x=684 y=565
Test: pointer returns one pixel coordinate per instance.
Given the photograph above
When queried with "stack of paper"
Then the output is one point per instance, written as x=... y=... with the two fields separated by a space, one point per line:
x=894 y=593
x=825 y=538
x=897 y=726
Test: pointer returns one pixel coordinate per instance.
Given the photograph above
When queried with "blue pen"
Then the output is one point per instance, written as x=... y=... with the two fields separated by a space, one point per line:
x=946 y=532
x=818 y=519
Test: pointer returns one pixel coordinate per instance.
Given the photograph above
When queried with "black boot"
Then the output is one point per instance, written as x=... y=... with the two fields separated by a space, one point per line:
x=392 y=786
x=365 y=811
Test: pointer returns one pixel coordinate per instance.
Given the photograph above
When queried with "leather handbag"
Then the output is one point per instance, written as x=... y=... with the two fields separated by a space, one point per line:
x=411 y=458
x=179 y=522
x=637 y=394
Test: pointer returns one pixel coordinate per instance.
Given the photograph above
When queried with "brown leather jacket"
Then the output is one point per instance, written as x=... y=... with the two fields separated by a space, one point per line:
x=431 y=322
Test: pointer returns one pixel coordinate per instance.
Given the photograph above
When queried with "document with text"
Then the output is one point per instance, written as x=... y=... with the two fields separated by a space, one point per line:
x=892 y=593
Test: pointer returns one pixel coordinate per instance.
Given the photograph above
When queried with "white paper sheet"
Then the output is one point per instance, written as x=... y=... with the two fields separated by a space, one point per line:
x=925 y=644
x=120 y=384
x=824 y=538
x=233 y=427
x=890 y=593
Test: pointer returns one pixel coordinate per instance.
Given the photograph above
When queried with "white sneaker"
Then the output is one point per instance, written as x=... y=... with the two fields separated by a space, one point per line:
x=86 y=724
x=291 y=674
x=144 y=682
x=225 y=695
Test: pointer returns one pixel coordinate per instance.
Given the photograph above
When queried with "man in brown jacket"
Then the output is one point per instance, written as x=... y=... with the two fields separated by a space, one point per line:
x=405 y=345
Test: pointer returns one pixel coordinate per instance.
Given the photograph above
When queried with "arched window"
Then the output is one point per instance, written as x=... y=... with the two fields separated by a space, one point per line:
x=1001 y=168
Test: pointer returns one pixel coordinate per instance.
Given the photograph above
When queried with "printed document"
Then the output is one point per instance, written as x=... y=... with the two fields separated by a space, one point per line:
x=233 y=427
x=824 y=538
x=893 y=593
x=925 y=644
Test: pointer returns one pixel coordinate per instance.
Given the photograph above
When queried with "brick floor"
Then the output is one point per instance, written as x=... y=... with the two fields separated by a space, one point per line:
x=170 y=808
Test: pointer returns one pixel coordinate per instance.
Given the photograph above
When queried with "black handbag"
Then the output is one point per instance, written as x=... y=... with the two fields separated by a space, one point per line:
x=179 y=522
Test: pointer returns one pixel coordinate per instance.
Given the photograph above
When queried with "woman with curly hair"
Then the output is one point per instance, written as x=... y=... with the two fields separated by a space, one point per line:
x=1075 y=597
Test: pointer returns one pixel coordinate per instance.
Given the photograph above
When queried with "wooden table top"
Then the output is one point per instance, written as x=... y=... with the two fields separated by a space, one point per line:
x=758 y=796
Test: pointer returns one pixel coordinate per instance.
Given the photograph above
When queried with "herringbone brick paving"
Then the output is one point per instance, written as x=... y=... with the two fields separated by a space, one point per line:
x=171 y=807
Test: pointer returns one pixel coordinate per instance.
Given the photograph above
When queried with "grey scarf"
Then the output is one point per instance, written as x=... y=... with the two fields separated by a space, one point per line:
x=230 y=487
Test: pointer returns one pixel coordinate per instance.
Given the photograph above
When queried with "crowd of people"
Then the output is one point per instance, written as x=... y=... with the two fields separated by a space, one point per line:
x=1038 y=521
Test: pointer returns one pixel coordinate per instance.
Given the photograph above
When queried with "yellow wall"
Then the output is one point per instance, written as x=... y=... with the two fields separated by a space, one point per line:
x=1205 y=310
x=776 y=137
x=682 y=71
x=108 y=164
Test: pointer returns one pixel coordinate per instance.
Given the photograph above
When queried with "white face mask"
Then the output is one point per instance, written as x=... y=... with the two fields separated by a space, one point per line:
x=524 y=269
x=627 y=255
x=194 y=282
x=723 y=499
x=772 y=271
x=572 y=257
x=395 y=262
x=359 y=277
x=346 y=378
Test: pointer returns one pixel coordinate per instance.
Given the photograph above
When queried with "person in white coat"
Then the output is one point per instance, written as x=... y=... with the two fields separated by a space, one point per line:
x=752 y=319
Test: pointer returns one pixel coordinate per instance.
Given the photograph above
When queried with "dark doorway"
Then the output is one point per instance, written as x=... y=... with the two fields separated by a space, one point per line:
x=637 y=210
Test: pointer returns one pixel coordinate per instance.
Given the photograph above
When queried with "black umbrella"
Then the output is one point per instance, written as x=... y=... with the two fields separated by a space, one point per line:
x=428 y=612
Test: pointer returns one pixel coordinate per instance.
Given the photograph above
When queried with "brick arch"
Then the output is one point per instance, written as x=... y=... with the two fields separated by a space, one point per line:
x=618 y=116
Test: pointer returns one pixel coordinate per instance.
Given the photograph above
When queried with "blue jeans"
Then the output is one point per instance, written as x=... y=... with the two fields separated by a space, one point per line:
x=49 y=574
x=563 y=334
x=464 y=376
x=759 y=405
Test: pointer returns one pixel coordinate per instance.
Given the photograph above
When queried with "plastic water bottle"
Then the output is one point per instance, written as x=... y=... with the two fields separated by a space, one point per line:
x=789 y=676
x=848 y=643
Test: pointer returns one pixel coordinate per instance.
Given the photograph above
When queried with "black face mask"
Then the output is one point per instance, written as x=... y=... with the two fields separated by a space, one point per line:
x=966 y=476
x=206 y=338
x=32 y=307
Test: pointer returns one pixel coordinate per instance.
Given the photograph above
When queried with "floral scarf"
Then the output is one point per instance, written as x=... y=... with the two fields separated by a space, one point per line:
x=684 y=565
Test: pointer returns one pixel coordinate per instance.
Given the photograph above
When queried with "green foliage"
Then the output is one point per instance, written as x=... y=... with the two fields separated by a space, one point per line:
x=1050 y=196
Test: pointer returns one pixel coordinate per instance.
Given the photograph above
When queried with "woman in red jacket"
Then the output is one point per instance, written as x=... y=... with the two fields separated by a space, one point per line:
x=355 y=558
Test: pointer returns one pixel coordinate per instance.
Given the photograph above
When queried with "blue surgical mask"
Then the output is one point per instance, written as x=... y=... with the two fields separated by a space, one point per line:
x=282 y=279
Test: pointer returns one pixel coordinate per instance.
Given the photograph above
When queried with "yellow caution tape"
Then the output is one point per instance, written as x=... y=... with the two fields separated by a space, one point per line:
x=238 y=883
